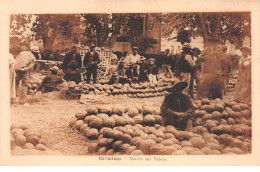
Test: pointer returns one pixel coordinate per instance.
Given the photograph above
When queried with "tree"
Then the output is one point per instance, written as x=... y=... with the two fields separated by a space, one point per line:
x=214 y=27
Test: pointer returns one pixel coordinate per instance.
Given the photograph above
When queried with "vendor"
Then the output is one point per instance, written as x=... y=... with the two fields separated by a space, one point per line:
x=72 y=64
x=177 y=108
x=25 y=62
x=91 y=61
x=142 y=77
x=132 y=61
x=51 y=81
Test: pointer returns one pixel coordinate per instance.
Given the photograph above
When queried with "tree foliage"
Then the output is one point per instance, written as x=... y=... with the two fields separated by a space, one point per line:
x=220 y=27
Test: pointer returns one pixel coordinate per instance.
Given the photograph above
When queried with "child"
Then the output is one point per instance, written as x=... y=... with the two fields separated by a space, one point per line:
x=152 y=71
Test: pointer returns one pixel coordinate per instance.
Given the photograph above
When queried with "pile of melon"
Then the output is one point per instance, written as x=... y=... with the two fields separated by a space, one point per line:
x=138 y=130
x=143 y=90
x=233 y=79
x=34 y=82
x=22 y=137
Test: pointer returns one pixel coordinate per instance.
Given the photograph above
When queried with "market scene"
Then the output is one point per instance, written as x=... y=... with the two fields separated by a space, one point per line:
x=130 y=84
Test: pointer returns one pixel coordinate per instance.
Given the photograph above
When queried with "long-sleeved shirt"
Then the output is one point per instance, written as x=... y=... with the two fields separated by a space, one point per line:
x=24 y=59
x=177 y=103
x=72 y=61
x=91 y=58
x=132 y=59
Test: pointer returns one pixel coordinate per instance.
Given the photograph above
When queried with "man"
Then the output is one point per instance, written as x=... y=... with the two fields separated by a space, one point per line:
x=197 y=68
x=167 y=62
x=72 y=64
x=177 y=108
x=185 y=66
x=51 y=81
x=113 y=55
x=142 y=77
x=25 y=62
x=132 y=61
x=91 y=61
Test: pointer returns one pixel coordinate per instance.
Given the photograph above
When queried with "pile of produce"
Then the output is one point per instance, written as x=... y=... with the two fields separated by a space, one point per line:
x=22 y=137
x=233 y=79
x=34 y=82
x=142 y=90
x=218 y=128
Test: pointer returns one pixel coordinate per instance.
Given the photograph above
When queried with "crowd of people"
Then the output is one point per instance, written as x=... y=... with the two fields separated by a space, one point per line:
x=186 y=66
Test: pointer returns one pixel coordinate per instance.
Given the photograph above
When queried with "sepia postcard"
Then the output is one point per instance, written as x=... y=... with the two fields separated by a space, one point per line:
x=130 y=83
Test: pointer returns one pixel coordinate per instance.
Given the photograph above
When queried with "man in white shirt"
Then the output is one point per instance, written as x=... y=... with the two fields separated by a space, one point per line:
x=132 y=61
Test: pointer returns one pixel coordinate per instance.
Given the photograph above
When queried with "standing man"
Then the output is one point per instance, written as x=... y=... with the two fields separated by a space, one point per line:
x=132 y=61
x=185 y=66
x=167 y=62
x=72 y=65
x=91 y=61
x=25 y=62
x=197 y=68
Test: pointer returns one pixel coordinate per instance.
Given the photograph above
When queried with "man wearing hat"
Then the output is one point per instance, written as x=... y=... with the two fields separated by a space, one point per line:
x=177 y=108
x=91 y=61
x=142 y=77
x=25 y=62
x=51 y=81
x=195 y=54
x=185 y=66
x=167 y=62
x=72 y=64
x=132 y=61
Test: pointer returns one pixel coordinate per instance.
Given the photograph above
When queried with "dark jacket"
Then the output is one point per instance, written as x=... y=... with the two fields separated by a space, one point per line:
x=152 y=69
x=72 y=61
x=50 y=82
x=176 y=103
x=91 y=58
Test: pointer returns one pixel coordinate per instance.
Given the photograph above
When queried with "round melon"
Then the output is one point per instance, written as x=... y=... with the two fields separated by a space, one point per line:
x=146 y=144
x=117 y=145
x=138 y=119
x=96 y=123
x=28 y=146
x=109 y=122
x=32 y=139
x=40 y=147
x=186 y=143
x=149 y=120
x=197 y=142
x=91 y=110
x=132 y=112
x=137 y=152
x=92 y=133
x=147 y=110
x=81 y=114
x=118 y=109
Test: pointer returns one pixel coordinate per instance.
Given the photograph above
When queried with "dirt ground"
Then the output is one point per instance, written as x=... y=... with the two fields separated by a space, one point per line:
x=50 y=118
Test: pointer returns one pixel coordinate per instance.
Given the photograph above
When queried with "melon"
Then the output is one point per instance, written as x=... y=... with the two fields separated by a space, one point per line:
x=219 y=107
x=188 y=149
x=205 y=101
x=236 y=108
x=197 y=142
x=167 y=142
x=137 y=152
x=109 y=122
x=166 y=150
x=159 y=133
x=147 y=110
x=214 y=146
x=102 y=151
x=205 y=150
x=126 y=138
x=28 y=146
x=72 y=122
x=155 y=149
x=110 y=152
x=158 y=119
x=32 y=139
x=132 y=112
x=130 y=132
x=117 y=145
x=125 y=147
x=149 y=120
x=196 y=152
x=118 y=109
x=92 y=133
x=81 y=114
x=186 y=143
x=146 y=144
x=206 y=117
x=91 y=110
x=96 y=123
x=138 y=119
x=130 y=121
x=216 y=115
x=40 y=147
x=179 y=152
x=78 y=124
x=158 y=139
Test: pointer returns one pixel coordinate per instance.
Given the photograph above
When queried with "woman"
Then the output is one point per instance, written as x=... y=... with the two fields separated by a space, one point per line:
x=243 y=88
x=12 y=76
